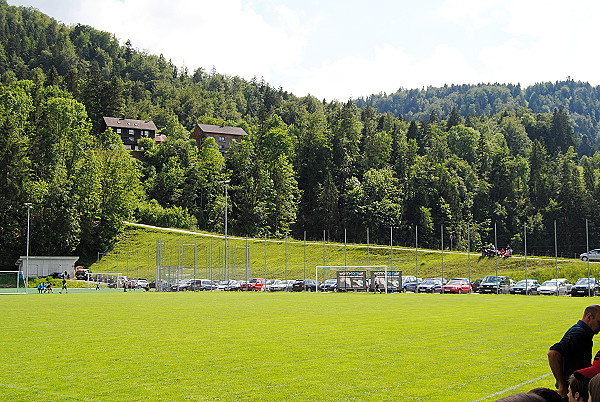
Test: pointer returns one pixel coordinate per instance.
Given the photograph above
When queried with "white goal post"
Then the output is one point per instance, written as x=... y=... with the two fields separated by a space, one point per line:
x=337 y=268
x=12 y=283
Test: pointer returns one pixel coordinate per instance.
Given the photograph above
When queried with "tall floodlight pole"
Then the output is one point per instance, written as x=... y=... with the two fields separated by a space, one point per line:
x=496 y=247
x=526 y=267
x=28 y=205
x=345 y=248
x=556 y=256
x=587 y=245
x=225 y=257
x=469 y=250
x=442 y=237
x=416 y=251
x=304 y=253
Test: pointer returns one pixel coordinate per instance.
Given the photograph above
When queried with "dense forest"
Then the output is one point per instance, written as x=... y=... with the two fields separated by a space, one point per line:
x=467 y=164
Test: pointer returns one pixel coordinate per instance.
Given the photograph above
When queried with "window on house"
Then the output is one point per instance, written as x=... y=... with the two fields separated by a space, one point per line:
x=221 y=138
x=145 y=133
x=118 y=131
x=130 y=132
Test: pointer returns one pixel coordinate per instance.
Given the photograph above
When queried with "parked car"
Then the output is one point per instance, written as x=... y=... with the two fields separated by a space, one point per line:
x=407 y=279
x=310 y=285
x=202 y=285
x=430 y=285
x=592 y=255
x=253 y=284
x=235 y=285
x=328 y=285
x=223 y=284
x=495 y=284
x=181 y=285
x=556 y=287
x=475 y=285
x=526 y=287
x=411 y=286
x=142 y=284
x=457 y=286
x=277 y=285
x=286 y=285
x=586 y=287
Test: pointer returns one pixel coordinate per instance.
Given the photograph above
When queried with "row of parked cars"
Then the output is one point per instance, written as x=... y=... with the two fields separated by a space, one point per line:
x=489 y=284
x=253 y=284
x=504 y=285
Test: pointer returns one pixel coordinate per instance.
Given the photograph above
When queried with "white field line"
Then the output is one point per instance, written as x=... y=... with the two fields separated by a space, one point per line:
x=511 y=388
x=55 y=394
x=141 y=225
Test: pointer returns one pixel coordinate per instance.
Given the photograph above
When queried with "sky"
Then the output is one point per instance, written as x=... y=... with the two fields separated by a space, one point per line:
x=342 y=49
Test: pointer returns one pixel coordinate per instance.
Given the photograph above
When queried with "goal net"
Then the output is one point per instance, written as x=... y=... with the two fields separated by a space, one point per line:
x=359 y=278
x=109 y=279
x=12 y=282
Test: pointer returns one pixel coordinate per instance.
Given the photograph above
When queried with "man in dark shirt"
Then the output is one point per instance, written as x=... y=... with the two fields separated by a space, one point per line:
x=574 y=351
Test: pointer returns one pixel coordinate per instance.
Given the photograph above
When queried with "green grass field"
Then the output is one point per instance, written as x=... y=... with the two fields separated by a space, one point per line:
x=260 y=346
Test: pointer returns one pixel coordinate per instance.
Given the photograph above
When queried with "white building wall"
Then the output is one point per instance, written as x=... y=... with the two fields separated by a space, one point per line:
x=40 y=266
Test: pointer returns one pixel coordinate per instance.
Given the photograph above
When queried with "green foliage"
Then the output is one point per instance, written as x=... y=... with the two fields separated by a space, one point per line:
x=153 y=213
x=457 y=156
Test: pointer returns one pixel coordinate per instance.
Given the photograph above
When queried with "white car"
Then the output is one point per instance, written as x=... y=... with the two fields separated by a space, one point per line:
x=555 y=287
x=142 y=284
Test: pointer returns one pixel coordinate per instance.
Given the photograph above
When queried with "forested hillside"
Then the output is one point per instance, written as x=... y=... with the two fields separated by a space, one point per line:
x=307 y=165
x=579 y=99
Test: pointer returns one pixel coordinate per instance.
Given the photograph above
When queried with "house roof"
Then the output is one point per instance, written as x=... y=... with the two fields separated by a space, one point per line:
x=129 y=123
x=212 y=129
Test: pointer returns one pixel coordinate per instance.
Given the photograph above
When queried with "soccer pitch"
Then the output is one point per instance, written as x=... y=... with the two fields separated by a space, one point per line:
x=276 y=346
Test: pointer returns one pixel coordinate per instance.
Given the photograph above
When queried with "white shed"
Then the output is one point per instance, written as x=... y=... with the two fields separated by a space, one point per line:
x=40 y=266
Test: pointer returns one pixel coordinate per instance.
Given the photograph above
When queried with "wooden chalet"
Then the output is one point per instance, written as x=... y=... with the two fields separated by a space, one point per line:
x=224 y=135
x=132 y=130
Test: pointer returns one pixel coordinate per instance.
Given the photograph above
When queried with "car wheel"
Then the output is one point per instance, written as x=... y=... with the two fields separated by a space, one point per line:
x=584 y=258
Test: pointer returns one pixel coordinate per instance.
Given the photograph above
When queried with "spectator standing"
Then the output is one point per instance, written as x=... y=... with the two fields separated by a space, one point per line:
x=574 y=351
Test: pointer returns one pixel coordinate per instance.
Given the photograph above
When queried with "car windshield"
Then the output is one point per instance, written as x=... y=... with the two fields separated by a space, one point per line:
x=328 y=281
x=585 y=281
x=550 y=283
x=491 y=279
x=430 y=282
x=454 y=282
x=524 y=283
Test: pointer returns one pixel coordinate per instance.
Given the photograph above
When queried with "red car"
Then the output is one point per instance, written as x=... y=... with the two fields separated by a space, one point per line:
x=255 y=284
x=457 y=286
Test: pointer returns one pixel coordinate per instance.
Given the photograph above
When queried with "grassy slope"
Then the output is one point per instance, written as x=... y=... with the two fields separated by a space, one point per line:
x=135 y=256
x=261 y=346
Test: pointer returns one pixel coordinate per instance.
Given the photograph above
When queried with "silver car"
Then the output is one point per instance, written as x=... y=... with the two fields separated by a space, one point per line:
x=555 y=287
x=592 y=255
